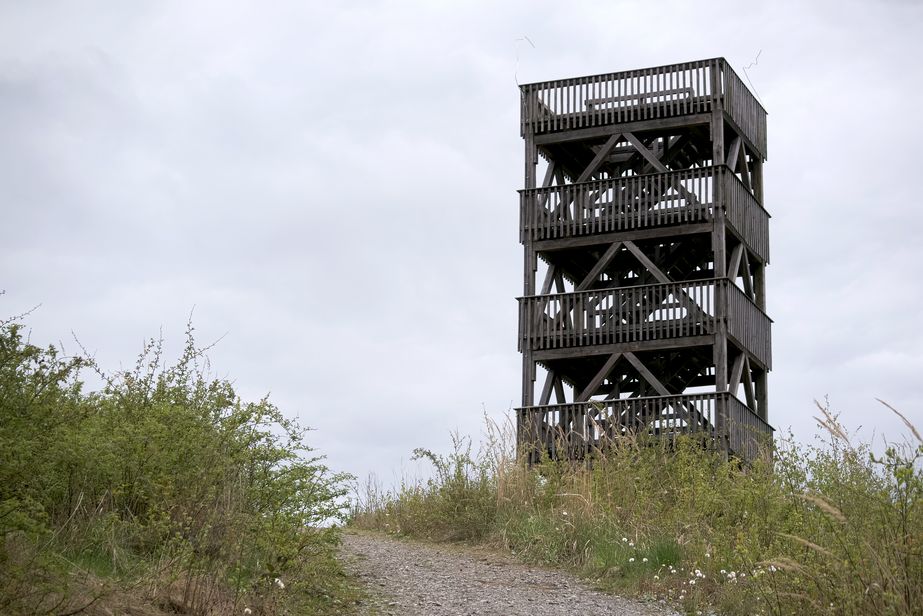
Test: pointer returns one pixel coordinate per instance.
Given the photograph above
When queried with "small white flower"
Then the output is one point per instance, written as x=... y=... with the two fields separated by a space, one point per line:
x=644 y=560
x=247 y=611
x=707 y=555
x=632 y=559
x=723 y=572
x=624 y=539
x=772 y=569
x=564 y=513
x=631 y=544
x=656 y=577
x=692 y=582
x=279 y=583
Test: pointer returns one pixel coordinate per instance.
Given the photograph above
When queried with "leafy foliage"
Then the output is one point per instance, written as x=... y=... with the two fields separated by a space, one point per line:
x=163 y=483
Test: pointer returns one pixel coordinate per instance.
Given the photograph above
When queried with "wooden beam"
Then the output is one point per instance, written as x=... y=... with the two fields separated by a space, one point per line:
x=748 y=384
x=559 y=391
x=646 y=153
x=549 y=278
x=595 y=132
x=646 y=374
x=732 y=155
x=651 y=267
x=597 y=380
x=736 y=373
x=745 y=168
x=549 y=174
x=734 y=265
x=602 y=264
x=599 y=158
x=621 y=236
x=546 y=389
x=546 y=182
x=748 y=281
x=544 y=355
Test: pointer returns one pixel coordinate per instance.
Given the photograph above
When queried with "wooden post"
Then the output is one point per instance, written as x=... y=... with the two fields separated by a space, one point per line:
x=720 y=350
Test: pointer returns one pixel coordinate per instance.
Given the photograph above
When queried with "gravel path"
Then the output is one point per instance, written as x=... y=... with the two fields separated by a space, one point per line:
x=416 y=579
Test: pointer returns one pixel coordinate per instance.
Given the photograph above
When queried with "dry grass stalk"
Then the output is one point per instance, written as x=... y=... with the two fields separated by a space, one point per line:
x=825 y=506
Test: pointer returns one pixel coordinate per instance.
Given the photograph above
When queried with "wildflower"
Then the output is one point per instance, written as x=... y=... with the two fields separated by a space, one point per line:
x=644 y=560
x=247 y=611
x=707 y=555
x=564 y=513
x=692 y=582
x=632 y=559
x=631 y=544
x=624 y=539
x=772 y=568
x=656 y=577
x=280 y=584
x=723 y=572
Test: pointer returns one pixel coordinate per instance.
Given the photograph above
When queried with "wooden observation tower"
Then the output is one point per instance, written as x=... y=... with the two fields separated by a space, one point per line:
x=646 y=243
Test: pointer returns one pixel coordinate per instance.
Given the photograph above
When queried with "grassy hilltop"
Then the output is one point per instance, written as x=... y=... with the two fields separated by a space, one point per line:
x=824 y=529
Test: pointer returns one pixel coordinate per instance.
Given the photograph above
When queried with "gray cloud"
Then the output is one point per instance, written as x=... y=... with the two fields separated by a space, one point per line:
x=333 y=186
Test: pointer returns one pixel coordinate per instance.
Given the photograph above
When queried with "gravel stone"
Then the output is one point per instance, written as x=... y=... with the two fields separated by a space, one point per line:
x=407 y=578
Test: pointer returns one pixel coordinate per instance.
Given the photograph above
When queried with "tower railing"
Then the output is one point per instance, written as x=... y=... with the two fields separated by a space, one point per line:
x=641 y=313
x=630 y=96
x=719 y=418
x=643 y=201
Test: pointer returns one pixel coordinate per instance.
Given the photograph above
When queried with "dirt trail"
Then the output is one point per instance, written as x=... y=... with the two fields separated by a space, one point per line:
x=414 y=579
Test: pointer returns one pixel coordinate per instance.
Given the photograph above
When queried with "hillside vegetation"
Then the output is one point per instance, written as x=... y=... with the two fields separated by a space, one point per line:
x=822 y=529
x=163 y=492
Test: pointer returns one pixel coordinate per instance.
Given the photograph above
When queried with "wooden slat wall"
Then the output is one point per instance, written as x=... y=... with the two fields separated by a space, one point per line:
x=566 y=429
x=748 y=435
x=612 y=316
x=745 y=110
x=619 y=204
x=577 y=428
x=629 y=96
x=749 y=325
x=746 y=215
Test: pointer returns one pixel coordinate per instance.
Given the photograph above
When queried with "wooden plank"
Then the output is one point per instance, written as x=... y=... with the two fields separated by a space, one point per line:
x=646 y=374
x=601 y=264
x=597 y=380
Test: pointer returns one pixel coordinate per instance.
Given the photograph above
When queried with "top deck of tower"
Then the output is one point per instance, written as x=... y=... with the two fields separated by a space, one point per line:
x=576 y=107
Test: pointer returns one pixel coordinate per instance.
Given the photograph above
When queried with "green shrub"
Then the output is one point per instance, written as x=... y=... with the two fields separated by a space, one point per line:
x=164 y=482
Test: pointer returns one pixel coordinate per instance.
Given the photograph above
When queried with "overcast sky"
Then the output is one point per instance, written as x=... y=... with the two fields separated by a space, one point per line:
x=332 y=186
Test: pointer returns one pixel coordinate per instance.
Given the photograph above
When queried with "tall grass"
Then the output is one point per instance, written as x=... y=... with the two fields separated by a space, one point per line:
x=823 y=528
x=162 y=489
